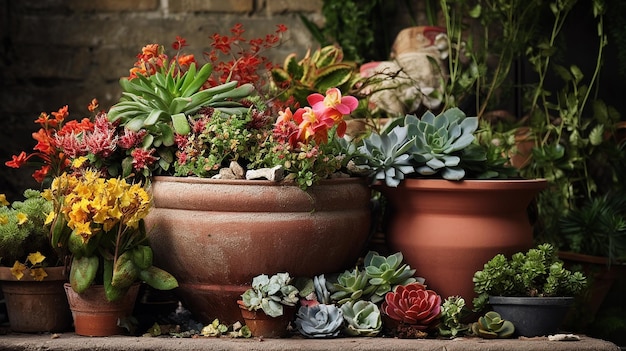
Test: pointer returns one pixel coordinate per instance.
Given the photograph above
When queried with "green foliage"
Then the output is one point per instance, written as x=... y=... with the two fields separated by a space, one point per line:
x=597 y=228
x=492 y=326
x=315 y=73
x=452 y=313
x=537 y=272
x=22 y=229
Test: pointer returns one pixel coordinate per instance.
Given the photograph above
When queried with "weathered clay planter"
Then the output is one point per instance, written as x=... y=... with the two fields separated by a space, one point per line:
x=262 y=325
x=214 y=236
x=94 y=315
x=36 y=306
x=447 y=230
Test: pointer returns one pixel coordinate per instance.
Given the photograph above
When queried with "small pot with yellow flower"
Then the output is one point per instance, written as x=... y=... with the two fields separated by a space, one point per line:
x=100 y=221
x=32 y=272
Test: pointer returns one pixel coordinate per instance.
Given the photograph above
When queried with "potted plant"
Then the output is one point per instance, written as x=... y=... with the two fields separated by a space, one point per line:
x=32 y=271
x=445 y=216
x=532 y=290
x=180 y=125
x=101 y=222
x=269 y=305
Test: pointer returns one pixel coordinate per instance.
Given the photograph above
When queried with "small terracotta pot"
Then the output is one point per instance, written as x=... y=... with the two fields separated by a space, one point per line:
x=262 y=325
x=94 y=315
x=36 y=306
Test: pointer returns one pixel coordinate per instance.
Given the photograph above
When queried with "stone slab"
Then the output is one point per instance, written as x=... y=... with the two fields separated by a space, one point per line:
x=72 y=342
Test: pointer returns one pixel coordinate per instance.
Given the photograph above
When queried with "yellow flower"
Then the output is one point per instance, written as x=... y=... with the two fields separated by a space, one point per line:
x=4 y=219
x=21 y=218
x=18 y=270
x=50 y=217
x=38 y=274
x=36 y=257
x=3 y=200
x=82 y=229
x=77 y=163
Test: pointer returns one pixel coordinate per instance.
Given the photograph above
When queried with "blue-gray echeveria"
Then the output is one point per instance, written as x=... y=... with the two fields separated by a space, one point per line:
x=319 y=321
x=362 y=318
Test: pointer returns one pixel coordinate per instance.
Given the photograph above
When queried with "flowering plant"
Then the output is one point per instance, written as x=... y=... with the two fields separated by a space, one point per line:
x=178 y=117
x=100 y=221
x=24 y=236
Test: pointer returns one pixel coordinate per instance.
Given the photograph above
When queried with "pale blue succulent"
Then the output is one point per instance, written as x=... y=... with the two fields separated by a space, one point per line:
x=386 y=156
x=440 y=140
x=270 y=294
x=319 y=321
x=427 y=146
x=362 y=318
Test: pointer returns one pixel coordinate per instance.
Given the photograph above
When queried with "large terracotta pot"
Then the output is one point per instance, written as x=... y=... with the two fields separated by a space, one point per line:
x=94 y=315
x=36 y=306
x=447 y=230
x=214 y=236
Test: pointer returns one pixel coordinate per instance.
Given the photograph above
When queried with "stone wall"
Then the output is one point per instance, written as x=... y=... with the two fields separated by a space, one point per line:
x=66 y=52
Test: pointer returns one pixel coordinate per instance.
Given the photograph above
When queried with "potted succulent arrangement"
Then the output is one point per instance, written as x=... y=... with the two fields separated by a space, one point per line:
x=32 y=271
x=532 y=289
x=446 y=216
x=231 y=170
x=269 y=305
x=100 y=221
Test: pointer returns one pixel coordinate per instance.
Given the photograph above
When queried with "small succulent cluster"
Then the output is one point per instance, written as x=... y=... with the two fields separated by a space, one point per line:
x=492 y=326
x=270 y=294
x=431 y=146
x=538 y=272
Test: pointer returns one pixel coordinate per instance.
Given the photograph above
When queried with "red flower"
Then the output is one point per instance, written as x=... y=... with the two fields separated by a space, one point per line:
x=142 y=158
x=179 y=43
x=18 y=161
x=413 y=304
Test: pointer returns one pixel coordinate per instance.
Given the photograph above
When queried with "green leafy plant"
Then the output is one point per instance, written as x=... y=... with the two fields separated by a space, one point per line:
x=597 y=228
x=492 y=326
x=452 y=313
x=270 y=294
x=538 y=272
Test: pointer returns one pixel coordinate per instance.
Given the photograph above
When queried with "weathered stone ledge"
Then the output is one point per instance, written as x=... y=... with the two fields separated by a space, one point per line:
x=72 y=342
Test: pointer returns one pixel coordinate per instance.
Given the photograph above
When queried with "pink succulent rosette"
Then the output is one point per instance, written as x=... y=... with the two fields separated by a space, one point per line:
x=413 y=304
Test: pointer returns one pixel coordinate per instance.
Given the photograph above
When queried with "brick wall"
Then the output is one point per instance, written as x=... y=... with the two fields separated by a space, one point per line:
x=58 y=52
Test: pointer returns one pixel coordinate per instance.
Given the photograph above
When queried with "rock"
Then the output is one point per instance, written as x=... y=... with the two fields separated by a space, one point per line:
x=237 y=170
x=274 y=174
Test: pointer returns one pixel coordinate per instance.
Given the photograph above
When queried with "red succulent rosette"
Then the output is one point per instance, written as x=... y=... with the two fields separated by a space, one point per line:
x=413 y=304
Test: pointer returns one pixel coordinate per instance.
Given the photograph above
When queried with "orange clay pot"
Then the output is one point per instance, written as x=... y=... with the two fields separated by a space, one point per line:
x=36 y=306
x=94 y=315
x=447 y=230
x=214 y=236
x=262 y=325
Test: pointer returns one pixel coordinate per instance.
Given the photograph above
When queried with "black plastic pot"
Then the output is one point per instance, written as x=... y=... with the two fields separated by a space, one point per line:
x=532 y=316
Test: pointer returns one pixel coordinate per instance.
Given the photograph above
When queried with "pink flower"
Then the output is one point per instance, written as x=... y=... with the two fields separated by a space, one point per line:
x=129 y=139
x=102 y=141
x=312 y=126
x=413 y=304
x=142 y=158
x=333 y=103
x=71 y=144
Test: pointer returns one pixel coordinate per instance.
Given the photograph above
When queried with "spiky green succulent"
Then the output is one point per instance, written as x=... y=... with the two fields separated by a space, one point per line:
x=161 y=104
x=351 y=286
x=492 y=326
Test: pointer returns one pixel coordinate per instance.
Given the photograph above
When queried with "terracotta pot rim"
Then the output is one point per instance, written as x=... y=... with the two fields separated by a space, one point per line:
x=199 y=180
x=575 y=256
x=469 y=184
x=54 y=274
